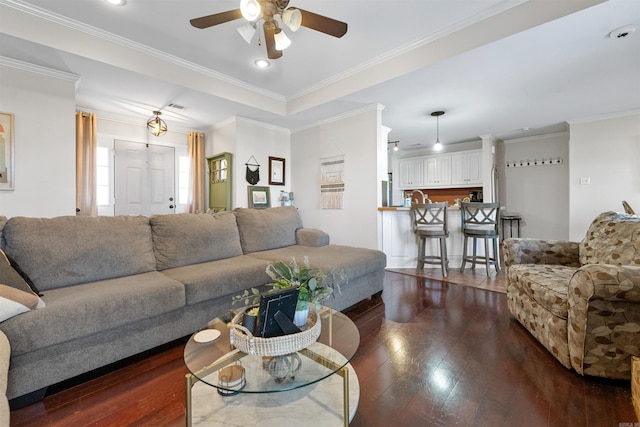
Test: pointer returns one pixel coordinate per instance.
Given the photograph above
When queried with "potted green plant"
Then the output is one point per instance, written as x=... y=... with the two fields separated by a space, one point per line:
x=313 y=284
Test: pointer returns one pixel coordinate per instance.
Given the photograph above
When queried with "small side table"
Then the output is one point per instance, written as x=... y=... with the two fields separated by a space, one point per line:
x=511 y=217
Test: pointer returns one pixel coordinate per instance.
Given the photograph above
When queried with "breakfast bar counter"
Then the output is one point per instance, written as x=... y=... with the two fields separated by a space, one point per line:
x=400 y=244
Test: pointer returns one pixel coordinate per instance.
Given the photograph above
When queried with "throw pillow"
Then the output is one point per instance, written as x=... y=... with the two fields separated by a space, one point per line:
x=16 y=296
x=10 y=277
x=14 y=301
x=24 y=275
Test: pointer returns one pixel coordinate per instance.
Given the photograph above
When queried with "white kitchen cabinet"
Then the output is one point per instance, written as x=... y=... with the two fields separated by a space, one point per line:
x=466 y=168
x=411 y=173
x=437 y=171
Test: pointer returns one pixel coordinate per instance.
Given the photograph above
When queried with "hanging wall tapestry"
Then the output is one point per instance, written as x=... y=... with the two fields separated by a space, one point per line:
x=332 y=182
x=253 y=171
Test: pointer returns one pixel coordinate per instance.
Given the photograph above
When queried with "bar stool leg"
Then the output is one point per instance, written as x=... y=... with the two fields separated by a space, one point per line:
x=496 y=256
x=443 y=256
x=464 y=254
x=473 y=259
x=487 y=256
x=421 y=244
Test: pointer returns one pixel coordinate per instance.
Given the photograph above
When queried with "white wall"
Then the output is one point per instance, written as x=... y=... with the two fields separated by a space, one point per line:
x=607 y=152
x=539 y=193
x=245 y=138
x=45 y=151
x=356 y=136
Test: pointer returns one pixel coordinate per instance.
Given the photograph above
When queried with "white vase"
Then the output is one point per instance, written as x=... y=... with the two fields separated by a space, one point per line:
x=300 y=317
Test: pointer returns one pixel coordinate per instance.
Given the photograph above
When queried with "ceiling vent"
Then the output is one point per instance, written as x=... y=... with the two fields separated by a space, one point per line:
x=176 y=106
x=622 y=32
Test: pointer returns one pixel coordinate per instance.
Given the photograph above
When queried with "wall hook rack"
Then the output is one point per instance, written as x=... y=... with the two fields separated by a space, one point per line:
x=534 y=162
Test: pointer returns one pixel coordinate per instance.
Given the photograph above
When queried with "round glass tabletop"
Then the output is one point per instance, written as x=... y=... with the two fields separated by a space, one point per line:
x=231 y=371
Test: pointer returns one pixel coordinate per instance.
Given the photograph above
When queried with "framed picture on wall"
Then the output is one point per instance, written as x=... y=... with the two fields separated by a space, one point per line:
x=276 y=171
x=6 y=151
x=259 y=197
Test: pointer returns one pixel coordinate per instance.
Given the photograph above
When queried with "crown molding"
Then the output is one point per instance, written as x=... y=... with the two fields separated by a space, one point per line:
x=241 y=119
x=616 y=115
x=534 y=138
x=139 y=47
x=347 y=115
x=50 y=72
x=407 y=48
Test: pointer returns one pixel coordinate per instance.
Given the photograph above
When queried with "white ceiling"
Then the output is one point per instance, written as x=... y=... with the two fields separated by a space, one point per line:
x=494 y=66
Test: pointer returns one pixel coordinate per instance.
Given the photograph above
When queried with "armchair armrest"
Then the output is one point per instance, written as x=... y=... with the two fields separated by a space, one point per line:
x=535 y=251
x=311 y=237
x=604 y=319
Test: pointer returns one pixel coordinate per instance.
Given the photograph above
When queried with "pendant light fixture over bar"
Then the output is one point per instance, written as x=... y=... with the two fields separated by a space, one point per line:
x=156 y=125
x=438 y=145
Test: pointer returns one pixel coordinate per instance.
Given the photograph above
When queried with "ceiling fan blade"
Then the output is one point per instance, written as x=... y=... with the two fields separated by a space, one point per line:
x=323 y=24
x=216 y=18
x=270 y=41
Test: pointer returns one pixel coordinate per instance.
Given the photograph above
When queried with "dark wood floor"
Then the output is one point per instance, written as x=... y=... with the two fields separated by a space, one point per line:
x=431 y=353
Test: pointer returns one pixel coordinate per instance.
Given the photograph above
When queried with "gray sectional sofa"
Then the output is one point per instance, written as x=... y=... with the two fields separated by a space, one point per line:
x=117 y=286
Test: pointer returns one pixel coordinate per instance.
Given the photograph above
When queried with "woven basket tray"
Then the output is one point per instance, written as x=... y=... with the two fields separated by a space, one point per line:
x=244 y=341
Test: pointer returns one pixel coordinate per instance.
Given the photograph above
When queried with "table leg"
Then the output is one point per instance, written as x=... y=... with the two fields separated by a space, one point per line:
x=215 y=366
x=343 y=372
x=189 y=383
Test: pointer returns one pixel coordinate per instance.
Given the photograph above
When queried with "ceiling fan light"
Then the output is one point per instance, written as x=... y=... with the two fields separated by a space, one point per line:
x=282 y=41
x=250 y=9
x=247 y=31
x=292 y=18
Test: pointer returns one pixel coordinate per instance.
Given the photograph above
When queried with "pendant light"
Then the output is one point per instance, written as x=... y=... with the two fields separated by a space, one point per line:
x=156 y=125
x=438 y=145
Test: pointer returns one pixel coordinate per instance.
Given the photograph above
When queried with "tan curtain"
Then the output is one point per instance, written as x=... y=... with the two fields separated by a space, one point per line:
x=86 y=159
x=196 y=203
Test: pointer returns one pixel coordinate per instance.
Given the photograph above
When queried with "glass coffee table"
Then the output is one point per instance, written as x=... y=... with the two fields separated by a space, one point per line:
x=216 y=363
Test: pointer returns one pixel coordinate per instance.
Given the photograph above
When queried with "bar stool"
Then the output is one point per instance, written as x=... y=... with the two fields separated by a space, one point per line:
x=430 y=222
x=481 y=221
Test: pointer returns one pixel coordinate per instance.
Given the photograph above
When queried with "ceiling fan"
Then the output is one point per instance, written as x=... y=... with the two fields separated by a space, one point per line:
x=267 y=10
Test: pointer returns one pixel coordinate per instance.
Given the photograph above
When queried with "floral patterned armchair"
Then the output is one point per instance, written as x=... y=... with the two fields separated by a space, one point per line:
x=581 y=300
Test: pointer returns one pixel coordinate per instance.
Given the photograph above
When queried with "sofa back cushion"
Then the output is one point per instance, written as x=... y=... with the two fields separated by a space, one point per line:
x=272 y=228
x=63 y=251
x=186 y=239
x=612 y=238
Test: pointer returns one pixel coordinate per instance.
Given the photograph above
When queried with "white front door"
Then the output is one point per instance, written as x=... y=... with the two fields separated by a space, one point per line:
x=144 y=178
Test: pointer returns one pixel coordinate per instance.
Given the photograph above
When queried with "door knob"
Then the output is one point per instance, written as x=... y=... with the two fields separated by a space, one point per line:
x=171 y=199
x=171 y=206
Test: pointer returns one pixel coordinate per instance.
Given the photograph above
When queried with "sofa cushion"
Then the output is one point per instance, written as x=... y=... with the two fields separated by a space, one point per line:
x=222 y=278
x=547 y=285
x=355 y=262
x=69 y=250
x=612 y=238
x=82 y=310
x=264 y=229
x=186 y=239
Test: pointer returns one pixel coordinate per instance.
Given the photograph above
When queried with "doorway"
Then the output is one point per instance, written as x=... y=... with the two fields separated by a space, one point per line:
x=144 y=179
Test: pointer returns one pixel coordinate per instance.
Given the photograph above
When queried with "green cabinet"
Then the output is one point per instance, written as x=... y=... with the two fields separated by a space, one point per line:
x=220 y=182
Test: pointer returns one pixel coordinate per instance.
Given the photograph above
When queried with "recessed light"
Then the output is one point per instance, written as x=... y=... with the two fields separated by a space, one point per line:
x=262 y=63
x=117 y=2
